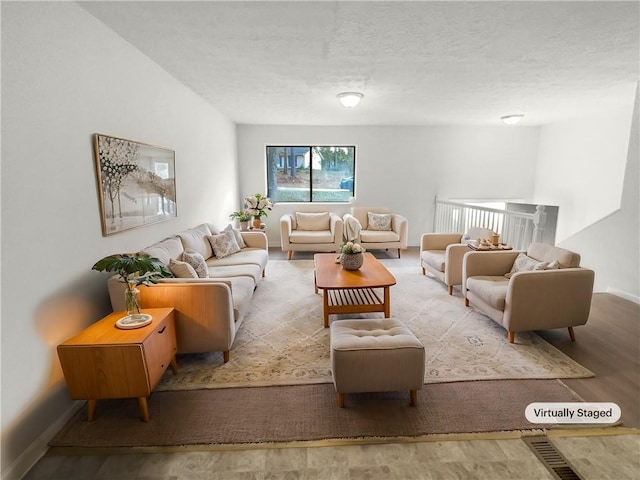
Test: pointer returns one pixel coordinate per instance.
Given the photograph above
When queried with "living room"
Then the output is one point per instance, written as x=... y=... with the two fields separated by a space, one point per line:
x=68 y=75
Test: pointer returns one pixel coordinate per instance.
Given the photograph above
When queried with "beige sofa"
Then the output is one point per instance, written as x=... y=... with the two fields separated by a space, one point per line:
x=310 y=232
x=521 y=295
x=210 y=310
x=441 y=254
x=358 y=229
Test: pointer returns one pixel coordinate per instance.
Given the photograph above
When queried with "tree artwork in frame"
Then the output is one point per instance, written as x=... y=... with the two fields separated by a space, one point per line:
x=136 y=183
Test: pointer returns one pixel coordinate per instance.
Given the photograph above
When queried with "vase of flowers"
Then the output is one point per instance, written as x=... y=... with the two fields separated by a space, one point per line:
x=351 y=256
x=134 y=270
x=257 y=206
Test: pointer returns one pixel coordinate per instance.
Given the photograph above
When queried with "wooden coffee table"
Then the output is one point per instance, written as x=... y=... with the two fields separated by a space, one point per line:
x=352 y=291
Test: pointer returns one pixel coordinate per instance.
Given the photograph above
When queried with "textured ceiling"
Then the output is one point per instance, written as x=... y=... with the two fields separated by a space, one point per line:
x=417 y=63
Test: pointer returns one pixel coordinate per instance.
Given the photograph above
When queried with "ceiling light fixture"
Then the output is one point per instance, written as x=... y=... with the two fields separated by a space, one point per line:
x=511 y=119
x=350 y=99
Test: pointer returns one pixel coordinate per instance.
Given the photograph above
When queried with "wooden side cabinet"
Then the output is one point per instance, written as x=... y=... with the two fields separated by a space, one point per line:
x=104 y=361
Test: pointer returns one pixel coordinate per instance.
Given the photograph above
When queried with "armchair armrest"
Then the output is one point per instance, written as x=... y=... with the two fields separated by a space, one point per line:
x=255 y=240
x=439 y=241
x=400 y=225
x=453 y=257
x=336 y=226
x=286 y=227
x=543 y=299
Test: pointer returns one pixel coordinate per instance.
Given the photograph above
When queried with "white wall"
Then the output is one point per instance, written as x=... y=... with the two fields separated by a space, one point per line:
x=611 y=245
x=581 y=168
x=64 y=77
x=405 y=167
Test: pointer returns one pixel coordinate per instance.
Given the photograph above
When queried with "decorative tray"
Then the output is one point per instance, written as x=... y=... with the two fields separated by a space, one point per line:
x=477 y=246
x=134 y=321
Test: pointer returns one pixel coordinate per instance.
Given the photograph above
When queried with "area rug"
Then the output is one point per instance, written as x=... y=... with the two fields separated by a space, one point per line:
x=282 y=340
x=309 y=412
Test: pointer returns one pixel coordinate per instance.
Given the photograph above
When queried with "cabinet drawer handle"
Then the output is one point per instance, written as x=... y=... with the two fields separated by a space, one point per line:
x=163 y=329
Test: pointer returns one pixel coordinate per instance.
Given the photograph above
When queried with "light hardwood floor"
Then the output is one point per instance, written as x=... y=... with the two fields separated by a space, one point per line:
x=609 y=345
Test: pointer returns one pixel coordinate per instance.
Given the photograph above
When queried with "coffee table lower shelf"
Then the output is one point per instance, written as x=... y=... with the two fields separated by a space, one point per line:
x=354 y=300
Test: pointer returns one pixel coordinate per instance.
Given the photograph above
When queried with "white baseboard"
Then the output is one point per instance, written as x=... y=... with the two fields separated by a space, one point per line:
x=625 y=295
x=21 y=465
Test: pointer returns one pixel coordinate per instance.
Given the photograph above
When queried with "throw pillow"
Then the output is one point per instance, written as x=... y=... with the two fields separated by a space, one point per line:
x=523 y=263
x=553 y=265
x=182 y=269
x=196 y=260
x=224 y=244
x=236 y=234
x=379 y=221
x=313 y=221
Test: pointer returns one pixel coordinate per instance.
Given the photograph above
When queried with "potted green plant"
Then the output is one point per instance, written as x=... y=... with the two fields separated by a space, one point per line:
x=242 y=217
x=135 y=269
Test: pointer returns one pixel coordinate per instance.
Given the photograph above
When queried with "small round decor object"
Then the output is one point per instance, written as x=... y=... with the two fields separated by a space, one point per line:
x=351 y=261
x=136 y=320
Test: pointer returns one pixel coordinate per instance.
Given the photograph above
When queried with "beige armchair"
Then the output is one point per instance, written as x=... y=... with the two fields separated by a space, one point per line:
x=533 y=298
x=441 y=254
x=367 y=226
x=310 y=232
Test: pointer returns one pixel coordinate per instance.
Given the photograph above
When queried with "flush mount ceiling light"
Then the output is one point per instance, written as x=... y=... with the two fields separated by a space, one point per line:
x=511 y=119
x=350 y=99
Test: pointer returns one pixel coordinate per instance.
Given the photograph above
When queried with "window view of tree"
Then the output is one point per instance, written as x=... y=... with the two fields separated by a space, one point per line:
x=311 y=173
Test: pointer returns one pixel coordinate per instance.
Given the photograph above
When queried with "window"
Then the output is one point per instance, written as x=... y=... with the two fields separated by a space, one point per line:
x=311 y=173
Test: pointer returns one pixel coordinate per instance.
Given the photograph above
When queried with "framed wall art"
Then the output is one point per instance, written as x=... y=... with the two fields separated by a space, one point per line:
x=136 y=183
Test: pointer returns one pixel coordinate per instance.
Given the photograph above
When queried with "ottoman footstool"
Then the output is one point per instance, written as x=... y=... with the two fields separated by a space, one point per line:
x=375 y=355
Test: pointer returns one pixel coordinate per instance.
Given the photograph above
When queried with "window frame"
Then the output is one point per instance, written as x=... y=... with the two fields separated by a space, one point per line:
x=310 y=148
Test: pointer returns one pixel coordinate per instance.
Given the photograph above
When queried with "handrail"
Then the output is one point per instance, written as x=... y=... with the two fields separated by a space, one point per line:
x=517 y=229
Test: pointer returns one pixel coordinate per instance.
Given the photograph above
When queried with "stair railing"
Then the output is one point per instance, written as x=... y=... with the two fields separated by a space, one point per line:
x=517 y=229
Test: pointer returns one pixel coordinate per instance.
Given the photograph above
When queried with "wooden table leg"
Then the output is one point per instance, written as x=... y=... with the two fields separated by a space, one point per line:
x=315 y=283
x=174 y=365
x=325 y=307
x=144 y=408
x=91 y=408
x=387 y=303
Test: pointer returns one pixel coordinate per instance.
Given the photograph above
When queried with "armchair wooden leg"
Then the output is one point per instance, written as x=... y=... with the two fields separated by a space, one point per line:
x=450 y=289
x=289 y=254
x=424 y=272
x=512 y=337
x=572 y=334
x=414 y=398
x=398 y=253
x=466 y=302
x=341 y=400
x=226 y=355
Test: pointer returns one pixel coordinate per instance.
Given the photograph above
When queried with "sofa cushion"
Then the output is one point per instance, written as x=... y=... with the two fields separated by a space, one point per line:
x=379 y=221
x=435 y=258
x=195 y=239
x=197 y=261
x=254 y=272
x=241 y=293
x=548 y=253
x=246 y=256
x=493 y=290
x=236 y=234
x=166 y=249
x=224 y=244
x=313 y=221
x=182 y=269
x=524 y=263
x=310 y=236
x=372 y=236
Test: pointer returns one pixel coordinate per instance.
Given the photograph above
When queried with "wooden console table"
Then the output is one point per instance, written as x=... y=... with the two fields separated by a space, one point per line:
x=104 y=361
